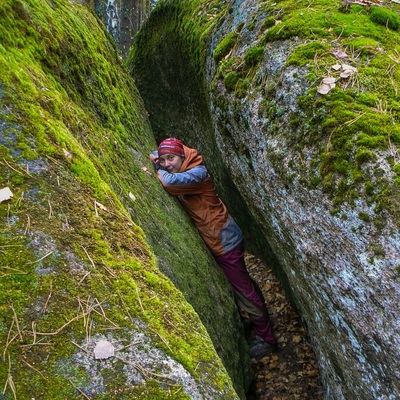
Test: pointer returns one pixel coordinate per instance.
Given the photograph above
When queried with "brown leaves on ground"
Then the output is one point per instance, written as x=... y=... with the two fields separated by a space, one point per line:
x=292 y=372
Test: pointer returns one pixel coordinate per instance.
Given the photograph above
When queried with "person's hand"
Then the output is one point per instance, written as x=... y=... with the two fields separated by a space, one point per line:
x=154 y=159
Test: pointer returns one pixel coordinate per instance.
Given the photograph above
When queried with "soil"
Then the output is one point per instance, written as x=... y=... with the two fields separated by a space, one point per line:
x=291 y=372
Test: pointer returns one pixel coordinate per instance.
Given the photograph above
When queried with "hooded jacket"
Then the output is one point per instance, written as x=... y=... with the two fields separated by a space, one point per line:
x=193 y=187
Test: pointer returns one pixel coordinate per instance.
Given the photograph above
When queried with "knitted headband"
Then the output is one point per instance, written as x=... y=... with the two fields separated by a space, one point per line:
x=171 y=146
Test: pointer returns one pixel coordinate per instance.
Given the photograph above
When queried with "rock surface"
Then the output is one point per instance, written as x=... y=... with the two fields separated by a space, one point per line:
x=319 y=173
x=79 y=236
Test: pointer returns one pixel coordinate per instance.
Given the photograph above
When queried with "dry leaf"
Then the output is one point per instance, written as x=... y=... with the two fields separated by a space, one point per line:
x=5 y=194
x=336 y=67
x=330 y=80
x=339 y=54
x=324 y=88
x=347 y=67
x=132 y=196
x=103 y=349
x=97 y=204
x=346 y=74
x=67 y=154
x=145 y=169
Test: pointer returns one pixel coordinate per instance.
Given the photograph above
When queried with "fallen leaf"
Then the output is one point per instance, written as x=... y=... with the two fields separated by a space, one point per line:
x=145 y=169
x=5 y=194
x=103 y=349
x=347 y=67
x=132 y=196
x=67 y=154
x=329 y=80
x=339 y=54
x=324 y=88
x=97 y=204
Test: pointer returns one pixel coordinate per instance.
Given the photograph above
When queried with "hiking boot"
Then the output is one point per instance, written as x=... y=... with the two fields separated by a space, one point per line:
x=260 y=348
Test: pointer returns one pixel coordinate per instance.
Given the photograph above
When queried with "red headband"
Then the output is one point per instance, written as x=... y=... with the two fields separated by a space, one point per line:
x=171 y=146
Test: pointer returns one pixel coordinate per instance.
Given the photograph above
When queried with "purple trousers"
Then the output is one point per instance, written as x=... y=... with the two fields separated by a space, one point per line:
x=247 y=293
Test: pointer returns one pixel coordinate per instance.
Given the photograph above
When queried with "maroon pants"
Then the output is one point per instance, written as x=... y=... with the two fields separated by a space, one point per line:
x=247 y=293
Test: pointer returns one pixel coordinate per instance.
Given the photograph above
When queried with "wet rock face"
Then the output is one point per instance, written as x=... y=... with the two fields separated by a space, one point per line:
x=342 y=265
x=348 y=295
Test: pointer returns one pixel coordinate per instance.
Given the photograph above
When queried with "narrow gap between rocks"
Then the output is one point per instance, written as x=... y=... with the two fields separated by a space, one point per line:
x=292 y=372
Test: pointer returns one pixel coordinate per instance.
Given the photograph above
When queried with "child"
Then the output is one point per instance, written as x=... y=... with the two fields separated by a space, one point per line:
x=182 y=173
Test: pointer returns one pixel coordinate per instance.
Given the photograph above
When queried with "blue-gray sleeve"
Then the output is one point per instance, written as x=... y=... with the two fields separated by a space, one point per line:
x=190 y=177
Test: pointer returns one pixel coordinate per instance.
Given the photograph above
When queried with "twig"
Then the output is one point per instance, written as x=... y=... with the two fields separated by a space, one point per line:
x=149 y=374
x=16 y=321
x=351 y=122
x=50 y=209
x=34 y=331
x=56 y=332
x=15 y=272
x=84 y=277
x=48 y=297
x=165 y=342
x=79 y=347
x=9 y=341
x=90 y=259
x=107 y=319
x=140 y=302
x=129 y=345
x=20 y=198
x=9 y=166
x=28 y=225
x=30 y=366
x=9 y=381
x=79 y=390
x=109 y=270
x=40 y=259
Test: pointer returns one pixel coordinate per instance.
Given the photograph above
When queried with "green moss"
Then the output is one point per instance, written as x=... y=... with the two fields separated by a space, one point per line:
x=378 y=250
x=364 y=216
x=231 y=80
x=253 y=56
x=385 y=17
x=70 y=113
x=303 y=54
x=225 y=46
x=268 y=23
x=364 y=155
x=242 y=87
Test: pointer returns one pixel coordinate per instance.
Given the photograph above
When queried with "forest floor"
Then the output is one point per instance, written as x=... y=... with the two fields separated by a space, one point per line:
x=292 y=372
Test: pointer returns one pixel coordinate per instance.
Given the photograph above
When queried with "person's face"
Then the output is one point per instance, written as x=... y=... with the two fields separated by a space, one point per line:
x=171 y=162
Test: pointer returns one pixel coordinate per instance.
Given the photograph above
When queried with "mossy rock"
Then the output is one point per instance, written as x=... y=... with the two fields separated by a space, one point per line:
x=79 y=237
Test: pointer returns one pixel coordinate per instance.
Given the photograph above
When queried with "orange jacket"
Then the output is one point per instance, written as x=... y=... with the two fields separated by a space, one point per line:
x=193 y=187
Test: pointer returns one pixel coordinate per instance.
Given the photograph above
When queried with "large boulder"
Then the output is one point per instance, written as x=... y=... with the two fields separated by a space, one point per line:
x=87 y=307
x=298 y=107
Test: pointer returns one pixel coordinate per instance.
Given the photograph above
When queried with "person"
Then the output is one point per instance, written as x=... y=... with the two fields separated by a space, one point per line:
x=183 y=175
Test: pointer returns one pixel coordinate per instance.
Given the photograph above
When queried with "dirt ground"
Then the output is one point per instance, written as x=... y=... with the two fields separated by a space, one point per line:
x=292 y=372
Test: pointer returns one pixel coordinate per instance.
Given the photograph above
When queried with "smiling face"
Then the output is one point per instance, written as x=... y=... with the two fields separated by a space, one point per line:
x=171 y=162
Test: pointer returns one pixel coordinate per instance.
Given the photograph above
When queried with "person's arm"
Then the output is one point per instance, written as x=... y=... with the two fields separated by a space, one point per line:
x=190 y=177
